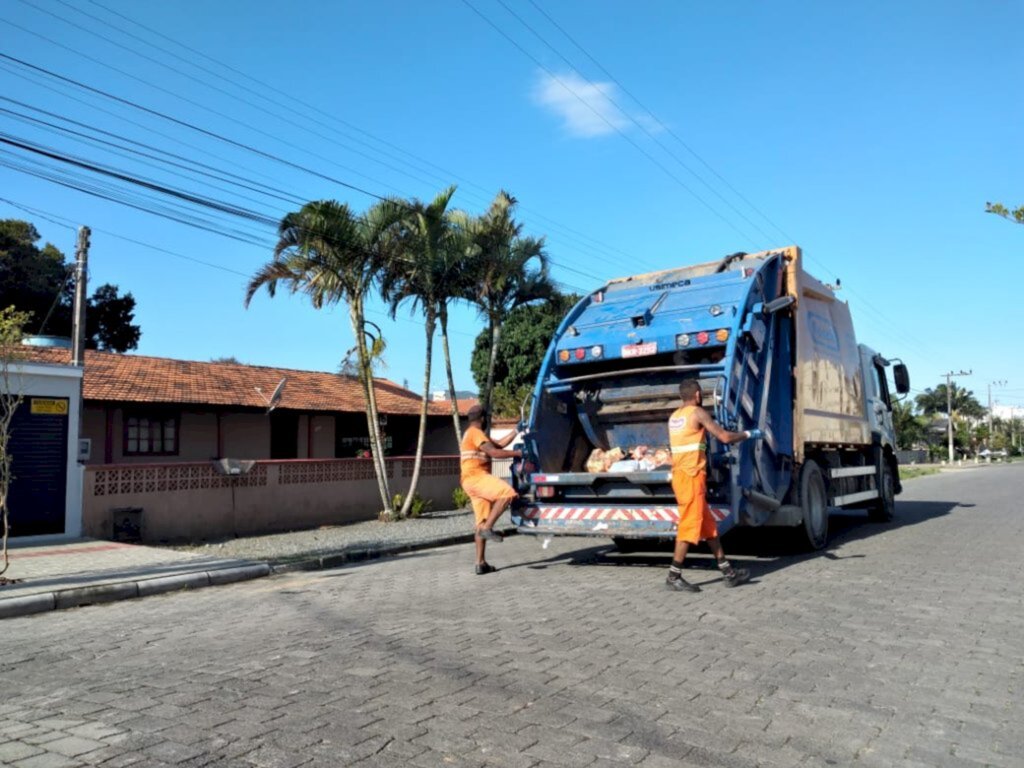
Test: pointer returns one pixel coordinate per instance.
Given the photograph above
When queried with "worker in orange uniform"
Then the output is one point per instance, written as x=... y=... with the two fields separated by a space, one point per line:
x=488 y=494
x=686 y=430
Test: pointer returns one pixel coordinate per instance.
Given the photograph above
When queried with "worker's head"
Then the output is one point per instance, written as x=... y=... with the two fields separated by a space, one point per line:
x=475 y=414
x=690 y=392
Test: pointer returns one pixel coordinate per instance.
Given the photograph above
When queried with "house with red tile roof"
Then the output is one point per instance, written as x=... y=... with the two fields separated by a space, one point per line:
x=140 y=409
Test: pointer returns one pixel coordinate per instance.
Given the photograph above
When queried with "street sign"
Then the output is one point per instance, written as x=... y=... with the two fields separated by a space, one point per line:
x=49 y=406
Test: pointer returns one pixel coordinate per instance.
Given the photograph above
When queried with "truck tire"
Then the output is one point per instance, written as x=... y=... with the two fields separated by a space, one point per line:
x=814 y=503
x=882 y=511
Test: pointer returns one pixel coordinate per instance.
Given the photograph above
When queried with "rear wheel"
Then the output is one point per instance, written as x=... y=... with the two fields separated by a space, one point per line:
x=884 y=508
x=814 y=503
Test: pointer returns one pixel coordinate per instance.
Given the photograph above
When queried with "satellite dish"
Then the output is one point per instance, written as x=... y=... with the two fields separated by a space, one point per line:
x=275 y=398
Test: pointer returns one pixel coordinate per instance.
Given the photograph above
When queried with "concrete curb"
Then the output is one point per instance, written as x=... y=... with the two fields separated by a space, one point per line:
x=76 y=597
x=345 y=557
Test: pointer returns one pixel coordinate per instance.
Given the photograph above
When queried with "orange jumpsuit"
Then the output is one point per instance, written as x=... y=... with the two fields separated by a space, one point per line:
x=689 y=477
x=477 y=480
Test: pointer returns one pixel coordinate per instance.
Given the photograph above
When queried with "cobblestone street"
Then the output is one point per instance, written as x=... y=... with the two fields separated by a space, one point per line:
x=899 y=645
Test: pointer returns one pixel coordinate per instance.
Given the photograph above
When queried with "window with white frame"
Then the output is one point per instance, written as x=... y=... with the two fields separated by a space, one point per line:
x=150 y=434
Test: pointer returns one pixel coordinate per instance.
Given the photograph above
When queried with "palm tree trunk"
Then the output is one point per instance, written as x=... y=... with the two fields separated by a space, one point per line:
x=422 y=436
x=372 y=420
x=443 y=315
x=492 y=364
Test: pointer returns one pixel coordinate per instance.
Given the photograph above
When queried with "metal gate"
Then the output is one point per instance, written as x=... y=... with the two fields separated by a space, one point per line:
x=39 y=450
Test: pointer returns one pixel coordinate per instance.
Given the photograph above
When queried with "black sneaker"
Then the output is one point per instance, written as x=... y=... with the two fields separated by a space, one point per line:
x=679 y=584
x=737 y=577
x=490 y=534
x=484 y=568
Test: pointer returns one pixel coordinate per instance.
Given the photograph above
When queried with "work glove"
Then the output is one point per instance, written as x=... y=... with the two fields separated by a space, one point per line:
x=754 y=434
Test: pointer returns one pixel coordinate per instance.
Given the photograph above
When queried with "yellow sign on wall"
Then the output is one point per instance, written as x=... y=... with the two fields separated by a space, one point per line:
x=50 y=406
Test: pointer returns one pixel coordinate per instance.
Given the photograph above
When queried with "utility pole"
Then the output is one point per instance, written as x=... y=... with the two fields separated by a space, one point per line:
x=1000 y=383
x=949 y=407
x=81 y=277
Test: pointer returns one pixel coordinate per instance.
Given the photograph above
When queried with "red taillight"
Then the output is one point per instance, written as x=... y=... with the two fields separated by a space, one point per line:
x=702 y=337
x=545 y=491
x=580 y=353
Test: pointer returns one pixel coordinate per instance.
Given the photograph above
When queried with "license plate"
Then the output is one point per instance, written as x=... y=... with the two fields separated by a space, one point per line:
x=640 y=350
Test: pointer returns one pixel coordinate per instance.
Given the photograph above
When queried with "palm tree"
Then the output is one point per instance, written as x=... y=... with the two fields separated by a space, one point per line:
x=429 y=249
x=333 y=255
x=964 y=403
x=502 y=275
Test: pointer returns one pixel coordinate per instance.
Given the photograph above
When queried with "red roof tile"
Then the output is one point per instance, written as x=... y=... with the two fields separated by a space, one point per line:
x=113 y=377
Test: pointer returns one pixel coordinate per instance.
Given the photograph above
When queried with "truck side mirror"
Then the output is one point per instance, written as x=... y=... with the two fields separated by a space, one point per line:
x=902 y=378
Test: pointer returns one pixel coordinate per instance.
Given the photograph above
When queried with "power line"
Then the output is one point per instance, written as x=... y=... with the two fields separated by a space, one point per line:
x=659 y=123
x=446 y=174
x=215 y=135
x=610 y=124
x=220 y=90
x=632 y=119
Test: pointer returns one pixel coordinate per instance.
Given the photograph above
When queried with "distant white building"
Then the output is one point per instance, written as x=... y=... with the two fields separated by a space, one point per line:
x=1008 y=411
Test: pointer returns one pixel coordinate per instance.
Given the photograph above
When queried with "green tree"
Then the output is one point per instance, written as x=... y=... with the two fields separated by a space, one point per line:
x=1015 y=215
x=38 y=281
x=333 y=255
x=525 y=337
x=501 y=274
x=964 y=403
x=910 y=429
x=428 y=254
x=108 y=320
x=12 y=331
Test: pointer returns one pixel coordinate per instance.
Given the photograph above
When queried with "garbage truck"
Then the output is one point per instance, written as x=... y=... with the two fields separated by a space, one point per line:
x=772 y=347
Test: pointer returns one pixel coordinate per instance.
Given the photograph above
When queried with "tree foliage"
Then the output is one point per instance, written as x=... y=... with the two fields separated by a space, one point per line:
x=12 y=331
x=39 y=282
x=526 y=333
x=1015 y=215
x=964 y=403
x=505 y=270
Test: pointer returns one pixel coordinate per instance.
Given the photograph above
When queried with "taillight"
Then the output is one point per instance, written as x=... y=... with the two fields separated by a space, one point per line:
x=580 y=353
x=722 y=334
x=563 y=355
x=596 y=351
x=545 y=491
x=683 y=340
x=703 y=338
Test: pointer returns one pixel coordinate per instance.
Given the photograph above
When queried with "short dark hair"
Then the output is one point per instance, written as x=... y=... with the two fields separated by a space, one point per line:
x=689 y=388
x=475 y=412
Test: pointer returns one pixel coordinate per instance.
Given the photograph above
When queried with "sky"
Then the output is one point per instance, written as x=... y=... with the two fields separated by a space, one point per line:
x=635 y=136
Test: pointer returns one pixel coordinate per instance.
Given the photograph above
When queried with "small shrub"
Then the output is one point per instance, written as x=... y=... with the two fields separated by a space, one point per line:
x=419 y=506
x=460 y=499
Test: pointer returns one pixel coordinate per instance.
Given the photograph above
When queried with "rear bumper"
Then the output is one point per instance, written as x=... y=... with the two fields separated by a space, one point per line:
x=626 y=521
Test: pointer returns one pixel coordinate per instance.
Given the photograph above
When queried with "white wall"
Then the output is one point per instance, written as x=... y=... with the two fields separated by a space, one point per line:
x=39 y=380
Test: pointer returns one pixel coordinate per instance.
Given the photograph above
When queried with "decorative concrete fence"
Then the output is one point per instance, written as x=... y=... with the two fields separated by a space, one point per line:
x=194 y=501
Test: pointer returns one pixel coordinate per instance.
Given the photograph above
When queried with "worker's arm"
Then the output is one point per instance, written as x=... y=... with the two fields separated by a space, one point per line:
x=505 y=440
x=499 y=453
x=721 y=434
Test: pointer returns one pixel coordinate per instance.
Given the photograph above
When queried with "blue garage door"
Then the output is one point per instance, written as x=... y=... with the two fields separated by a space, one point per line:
x=39 y=447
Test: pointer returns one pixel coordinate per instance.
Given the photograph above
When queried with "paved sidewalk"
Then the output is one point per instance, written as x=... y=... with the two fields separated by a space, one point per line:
x=87 y=571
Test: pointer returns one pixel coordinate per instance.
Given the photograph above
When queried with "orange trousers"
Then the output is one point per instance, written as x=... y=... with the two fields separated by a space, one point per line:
x=695 y=520
x=484 y=488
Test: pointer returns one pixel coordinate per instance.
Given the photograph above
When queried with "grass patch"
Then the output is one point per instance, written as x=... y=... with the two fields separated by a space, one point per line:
x=908 y=473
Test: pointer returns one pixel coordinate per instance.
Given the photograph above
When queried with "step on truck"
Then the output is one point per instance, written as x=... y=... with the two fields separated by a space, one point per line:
x=772 y=347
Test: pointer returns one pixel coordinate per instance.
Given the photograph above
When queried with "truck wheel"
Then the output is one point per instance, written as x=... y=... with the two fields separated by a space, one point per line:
x=814 y=503
x=882 y=511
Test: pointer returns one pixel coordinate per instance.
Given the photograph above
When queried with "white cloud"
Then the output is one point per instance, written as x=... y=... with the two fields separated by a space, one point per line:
x=586 y=108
